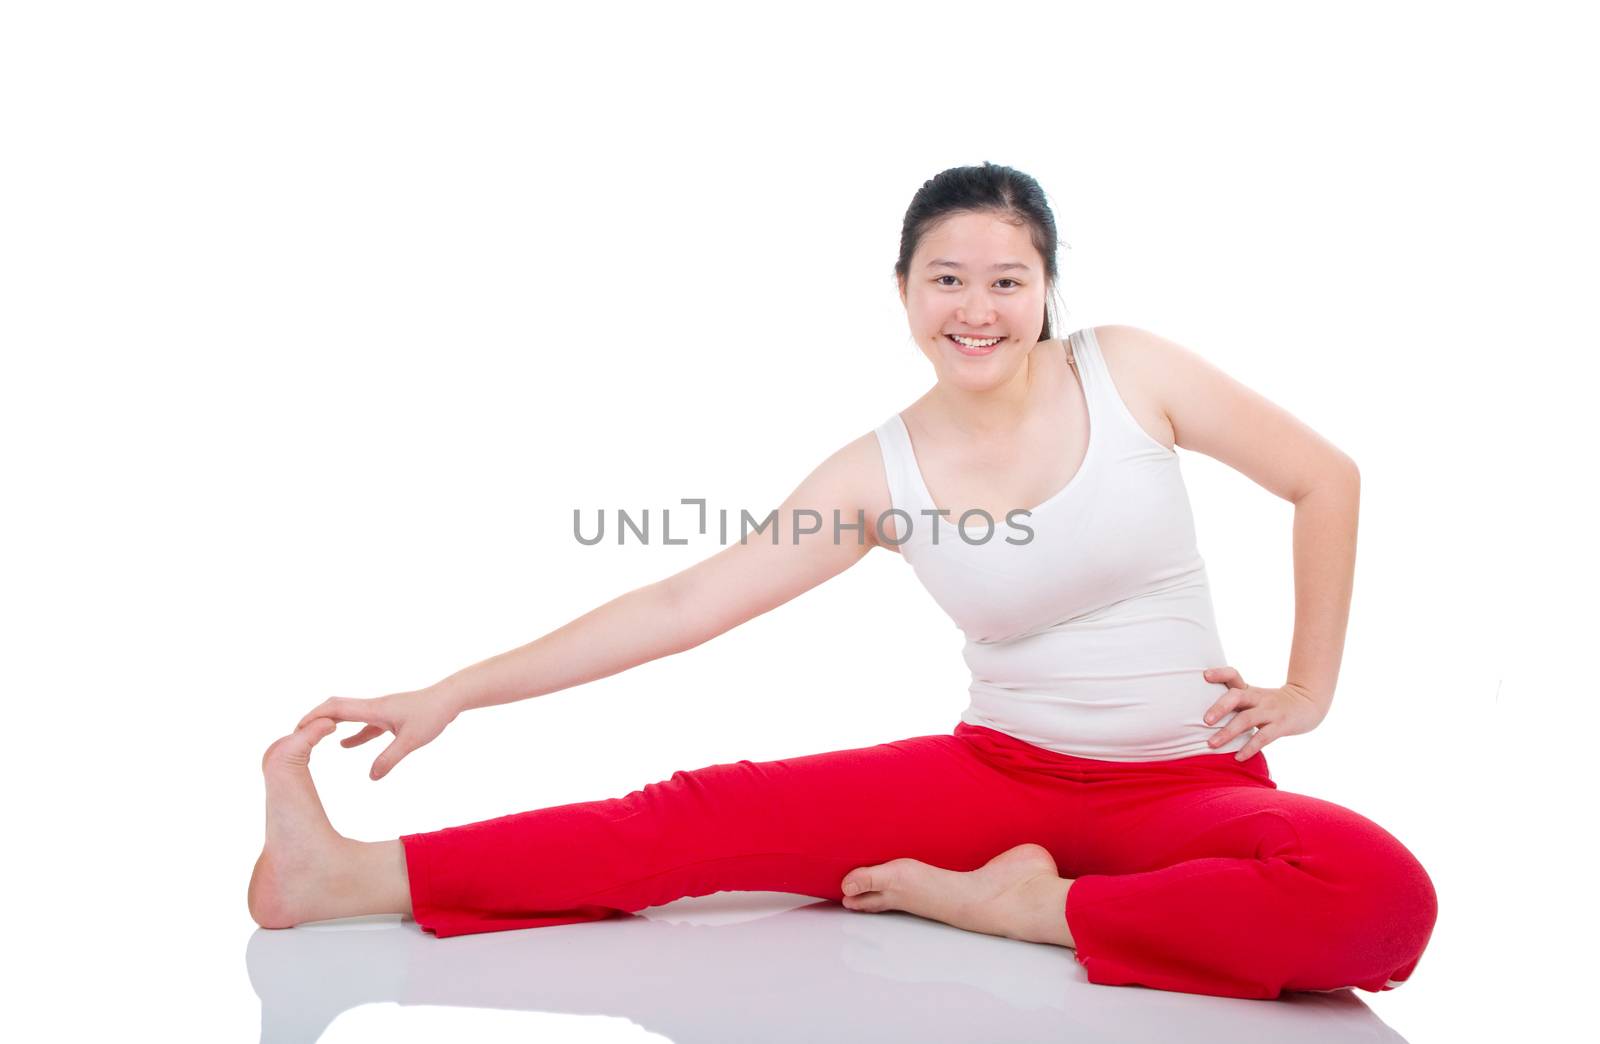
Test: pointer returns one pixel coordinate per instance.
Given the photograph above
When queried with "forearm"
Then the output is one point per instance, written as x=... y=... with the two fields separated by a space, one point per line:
x=644 y=624
x=1325 y=522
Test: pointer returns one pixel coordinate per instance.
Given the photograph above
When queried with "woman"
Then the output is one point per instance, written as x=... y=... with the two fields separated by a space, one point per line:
x=1105 y=738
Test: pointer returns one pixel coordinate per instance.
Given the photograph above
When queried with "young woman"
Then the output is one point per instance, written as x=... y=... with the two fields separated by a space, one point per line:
x=1105 y=789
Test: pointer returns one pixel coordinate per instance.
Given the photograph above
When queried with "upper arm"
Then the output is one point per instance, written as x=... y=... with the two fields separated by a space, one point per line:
x=749 y=578
x=1214 y=414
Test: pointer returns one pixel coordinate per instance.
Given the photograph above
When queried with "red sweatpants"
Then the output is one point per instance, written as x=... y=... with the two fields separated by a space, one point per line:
x=1196 y=874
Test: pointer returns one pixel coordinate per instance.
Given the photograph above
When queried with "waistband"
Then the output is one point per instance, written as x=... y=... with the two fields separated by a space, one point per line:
x=1018 y=757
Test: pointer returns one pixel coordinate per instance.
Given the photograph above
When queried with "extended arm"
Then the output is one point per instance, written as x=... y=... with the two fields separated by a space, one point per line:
x=737 y=584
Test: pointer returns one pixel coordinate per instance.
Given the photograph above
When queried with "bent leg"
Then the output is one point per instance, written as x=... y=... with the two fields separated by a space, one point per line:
x=793 y=825
x=1243 y=890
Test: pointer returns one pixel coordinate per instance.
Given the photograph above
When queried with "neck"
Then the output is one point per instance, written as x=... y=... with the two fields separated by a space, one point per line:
x=993 y=413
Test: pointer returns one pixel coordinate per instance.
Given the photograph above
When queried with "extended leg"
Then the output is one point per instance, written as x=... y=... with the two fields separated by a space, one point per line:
x=795 y=825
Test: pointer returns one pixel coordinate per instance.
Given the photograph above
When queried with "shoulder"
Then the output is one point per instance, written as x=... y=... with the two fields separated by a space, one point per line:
x=855 y=465
x=1148 y=372
x=1160 y=367
x=851 y=478
x=1213 y=413
x=861 y=458
x=1134 y=348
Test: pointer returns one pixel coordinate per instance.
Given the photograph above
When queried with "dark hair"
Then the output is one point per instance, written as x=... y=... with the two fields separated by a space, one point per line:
x=989 y=189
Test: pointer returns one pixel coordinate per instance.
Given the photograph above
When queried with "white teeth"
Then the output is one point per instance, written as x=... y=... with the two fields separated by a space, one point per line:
x=971 y=343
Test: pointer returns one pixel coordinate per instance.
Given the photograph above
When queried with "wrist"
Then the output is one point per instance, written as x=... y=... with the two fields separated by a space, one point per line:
x=1319 y=697
x=452 y=693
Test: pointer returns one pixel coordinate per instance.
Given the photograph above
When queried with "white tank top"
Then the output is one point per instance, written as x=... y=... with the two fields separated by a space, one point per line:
x=1091 y=637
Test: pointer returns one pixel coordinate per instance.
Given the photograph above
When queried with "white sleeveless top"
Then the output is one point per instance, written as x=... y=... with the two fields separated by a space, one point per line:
x=1090 y=637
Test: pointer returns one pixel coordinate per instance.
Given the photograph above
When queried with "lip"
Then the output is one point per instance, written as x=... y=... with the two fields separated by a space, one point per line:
x=974 y=352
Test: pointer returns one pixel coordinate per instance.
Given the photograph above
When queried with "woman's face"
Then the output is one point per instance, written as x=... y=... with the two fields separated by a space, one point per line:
x=977 y=276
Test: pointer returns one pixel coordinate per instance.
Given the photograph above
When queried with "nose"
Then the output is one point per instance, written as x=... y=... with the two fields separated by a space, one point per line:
x=975 y=309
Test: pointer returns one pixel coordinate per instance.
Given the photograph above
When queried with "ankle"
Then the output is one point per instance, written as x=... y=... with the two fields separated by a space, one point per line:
x=378 y=869
x=1042 y=912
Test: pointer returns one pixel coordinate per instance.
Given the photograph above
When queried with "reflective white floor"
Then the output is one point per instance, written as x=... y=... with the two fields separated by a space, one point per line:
x=743 y=967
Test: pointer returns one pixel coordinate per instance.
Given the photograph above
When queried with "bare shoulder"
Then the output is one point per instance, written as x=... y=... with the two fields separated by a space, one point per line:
x=1141 y=365
x=850 y=480
x=1208 y=411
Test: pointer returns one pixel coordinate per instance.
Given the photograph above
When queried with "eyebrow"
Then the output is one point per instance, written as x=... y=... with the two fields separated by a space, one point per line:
x=1001 y=267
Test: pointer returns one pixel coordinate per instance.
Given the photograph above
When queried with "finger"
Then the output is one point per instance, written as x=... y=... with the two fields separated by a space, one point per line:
x=1219 y=710
x=1241 y=723
x=1226 y=676
x=325 y=709
x=1232 y=700
x=342 y=709
x=361 y=737
x=319 y=711
x=1259 y=740
x=389 y=758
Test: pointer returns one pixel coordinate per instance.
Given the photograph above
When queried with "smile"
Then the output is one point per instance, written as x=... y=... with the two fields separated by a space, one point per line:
x=974 y=345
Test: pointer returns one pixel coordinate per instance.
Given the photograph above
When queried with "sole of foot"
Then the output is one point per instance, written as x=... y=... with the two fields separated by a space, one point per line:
x=294 y=879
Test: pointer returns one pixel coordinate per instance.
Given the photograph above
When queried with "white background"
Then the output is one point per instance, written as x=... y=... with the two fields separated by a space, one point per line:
x=319 y=321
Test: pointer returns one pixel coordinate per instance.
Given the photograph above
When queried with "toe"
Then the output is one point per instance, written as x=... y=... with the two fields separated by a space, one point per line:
x=868 y=902
x=884 y=877
x=318 y=728
x=879 y=879
x=296 y=747
x=865 y=889
x=861 y=879
x=279 y=750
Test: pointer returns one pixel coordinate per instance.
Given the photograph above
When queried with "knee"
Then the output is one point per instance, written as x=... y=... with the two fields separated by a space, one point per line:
x=1415 y=903
x=1392 y=898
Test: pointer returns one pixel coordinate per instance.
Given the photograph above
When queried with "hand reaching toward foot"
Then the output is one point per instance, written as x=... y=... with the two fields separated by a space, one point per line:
x=415 y=718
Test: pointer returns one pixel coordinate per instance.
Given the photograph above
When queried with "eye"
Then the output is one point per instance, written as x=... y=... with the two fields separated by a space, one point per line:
x=1003 y=279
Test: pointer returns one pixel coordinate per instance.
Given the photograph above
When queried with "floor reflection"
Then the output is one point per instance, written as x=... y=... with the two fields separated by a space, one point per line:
x=744 y=967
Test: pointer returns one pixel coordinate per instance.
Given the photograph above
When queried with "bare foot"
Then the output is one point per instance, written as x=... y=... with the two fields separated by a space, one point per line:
x=1017 y=894
x=297 y=877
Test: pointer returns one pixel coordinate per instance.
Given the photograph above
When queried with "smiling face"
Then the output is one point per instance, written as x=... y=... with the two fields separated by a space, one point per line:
x=980 y=278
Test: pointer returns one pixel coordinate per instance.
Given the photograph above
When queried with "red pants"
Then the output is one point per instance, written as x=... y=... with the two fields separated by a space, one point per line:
x=1195 y=874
